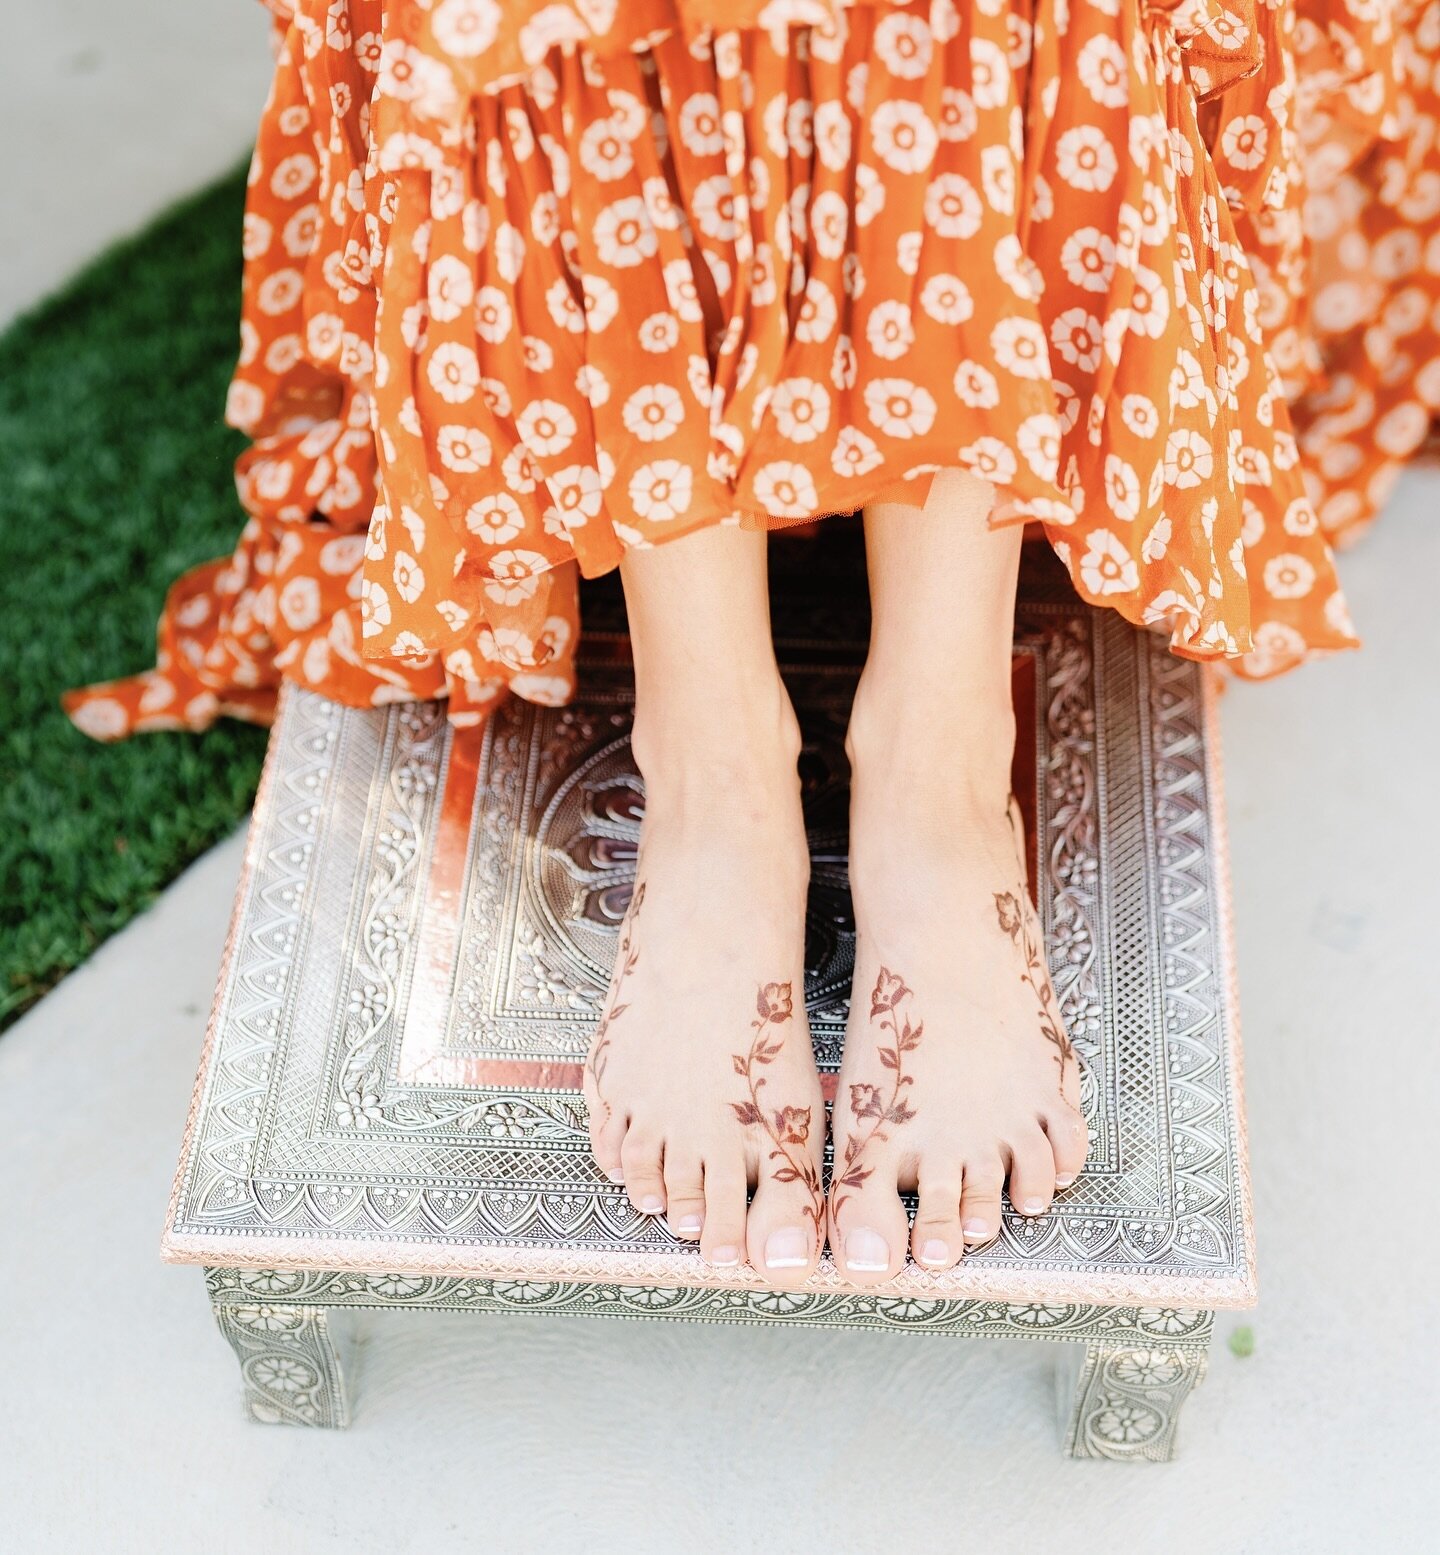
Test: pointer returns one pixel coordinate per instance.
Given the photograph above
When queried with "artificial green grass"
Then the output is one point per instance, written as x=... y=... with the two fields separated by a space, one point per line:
x=115 y=476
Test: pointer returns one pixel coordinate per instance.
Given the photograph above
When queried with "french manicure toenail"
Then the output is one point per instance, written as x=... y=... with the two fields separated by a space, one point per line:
x=1033 y=1207
x=688 y=1225
x=651 y=1204
x=934 y=1251
x=866 y=1251
x=788 y=1248
x=616 y=1176
x=977 y=1231
x=1065 y=1180
x=724 y=1257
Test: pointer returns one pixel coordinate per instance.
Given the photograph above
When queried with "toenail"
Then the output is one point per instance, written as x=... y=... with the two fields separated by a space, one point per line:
x=1033 y=1207
x=977 y=1231
x=867 y=1251
x=1065 y=1180
x=935 y=1251
x=688 y=1225
x=651 y=1204
x=724 y=1257
x=788 y=1248
x=616 y=1176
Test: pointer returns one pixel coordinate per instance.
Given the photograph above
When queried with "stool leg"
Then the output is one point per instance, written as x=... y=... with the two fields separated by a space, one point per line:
x=288 y=1364
x=1124 y=1402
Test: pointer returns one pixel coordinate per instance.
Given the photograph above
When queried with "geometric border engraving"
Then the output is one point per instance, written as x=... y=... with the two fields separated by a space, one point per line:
x=1121 y=1387
x=366 y=1172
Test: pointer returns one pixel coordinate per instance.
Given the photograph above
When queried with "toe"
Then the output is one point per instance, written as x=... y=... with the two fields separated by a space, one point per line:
x=607 y=1136
x=980 y=1202
x=784 y=1231
x=684 y=1193
x=644 y=1181
x=1069 y=1142
x=722 y=1236
x=1032 y=1172
x=936 y=1239
x=868 y=1228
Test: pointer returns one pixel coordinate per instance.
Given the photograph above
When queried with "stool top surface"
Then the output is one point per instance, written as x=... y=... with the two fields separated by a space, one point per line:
x=422 y=940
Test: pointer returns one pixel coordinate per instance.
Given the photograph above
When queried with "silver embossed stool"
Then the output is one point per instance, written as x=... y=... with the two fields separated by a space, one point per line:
x=387 y=1112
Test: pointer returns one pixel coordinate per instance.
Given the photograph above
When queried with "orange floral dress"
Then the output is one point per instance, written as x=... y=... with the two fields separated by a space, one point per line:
x=531 y=283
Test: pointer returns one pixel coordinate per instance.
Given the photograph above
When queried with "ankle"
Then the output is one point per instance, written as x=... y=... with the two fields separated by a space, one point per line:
x=743 y=746
x=941 y=750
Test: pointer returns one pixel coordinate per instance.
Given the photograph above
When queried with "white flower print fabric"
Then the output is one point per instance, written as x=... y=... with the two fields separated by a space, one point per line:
x=530 y=284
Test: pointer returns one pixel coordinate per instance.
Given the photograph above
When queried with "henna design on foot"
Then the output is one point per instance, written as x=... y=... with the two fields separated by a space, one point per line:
x=868 y=1101
x=626 y=961
x=785 y=1126
x=1018 y=924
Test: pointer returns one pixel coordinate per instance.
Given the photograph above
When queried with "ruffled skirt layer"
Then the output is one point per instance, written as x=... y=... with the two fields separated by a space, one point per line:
x=527 y=286
x=1347 y=255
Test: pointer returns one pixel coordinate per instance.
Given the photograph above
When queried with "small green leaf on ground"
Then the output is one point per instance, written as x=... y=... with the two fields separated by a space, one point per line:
x=1242 y=1341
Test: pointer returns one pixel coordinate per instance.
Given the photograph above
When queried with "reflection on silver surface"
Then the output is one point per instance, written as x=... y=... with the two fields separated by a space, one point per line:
x=422 y=941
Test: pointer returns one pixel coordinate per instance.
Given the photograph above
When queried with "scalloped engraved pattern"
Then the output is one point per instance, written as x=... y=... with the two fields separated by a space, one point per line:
x=506 y=1187
x=1161 y=1327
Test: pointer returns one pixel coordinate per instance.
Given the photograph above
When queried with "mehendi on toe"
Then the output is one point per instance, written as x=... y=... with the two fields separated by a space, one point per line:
x=869 y=1101
x=787 y=1127
x=626 y=961
x=1018 y=923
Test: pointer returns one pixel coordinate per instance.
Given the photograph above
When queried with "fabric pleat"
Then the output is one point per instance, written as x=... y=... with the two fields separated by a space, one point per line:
x=529 y=285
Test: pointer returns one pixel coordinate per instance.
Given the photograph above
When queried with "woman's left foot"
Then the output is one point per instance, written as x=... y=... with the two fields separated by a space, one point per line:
x=958 y=1076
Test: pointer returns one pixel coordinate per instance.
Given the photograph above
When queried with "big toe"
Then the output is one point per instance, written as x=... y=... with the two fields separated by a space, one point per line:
x=869 y=1229
x=785 y=1229
x=607 y=1138
x=1069 y=1141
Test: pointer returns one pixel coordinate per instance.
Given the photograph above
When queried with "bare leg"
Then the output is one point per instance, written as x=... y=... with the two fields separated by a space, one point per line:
x=701 y=1080
x=957 y=1073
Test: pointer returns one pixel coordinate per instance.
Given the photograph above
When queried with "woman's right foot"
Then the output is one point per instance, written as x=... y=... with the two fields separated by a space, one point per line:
x=701 y=1081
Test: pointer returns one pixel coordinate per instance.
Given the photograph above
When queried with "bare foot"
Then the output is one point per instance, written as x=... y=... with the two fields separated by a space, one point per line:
x=958 y=1074
x=701 y=1081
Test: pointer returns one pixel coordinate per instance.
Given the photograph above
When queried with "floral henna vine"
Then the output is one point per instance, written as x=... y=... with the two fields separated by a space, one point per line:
x=871 y=1102
x=1018 y=924
x=626 y=961
x=788 y=1128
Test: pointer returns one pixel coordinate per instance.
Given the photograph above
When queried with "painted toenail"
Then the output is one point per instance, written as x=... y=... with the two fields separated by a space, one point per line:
x=934 y=1251
x=651 y=1204
x=688 y=1225
x=616 y=1176
x=1065 y=1180
x=977 y=1231
x=1033 y=1207
x=724 y=1257
x=866 y=1251
x=788 y=1248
